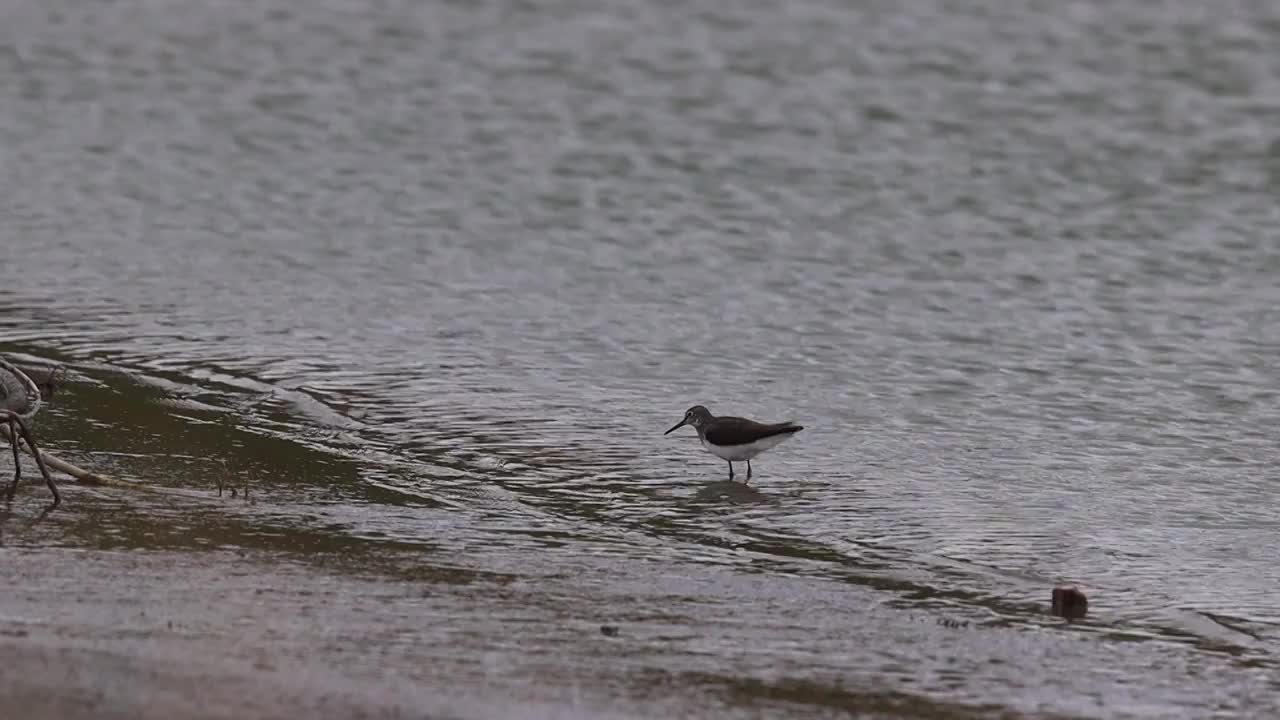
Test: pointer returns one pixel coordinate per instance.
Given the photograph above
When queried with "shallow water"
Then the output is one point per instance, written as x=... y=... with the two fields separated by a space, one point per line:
x=432 y=278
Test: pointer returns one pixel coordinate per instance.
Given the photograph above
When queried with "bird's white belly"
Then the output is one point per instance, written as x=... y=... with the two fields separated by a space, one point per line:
x=738 y=453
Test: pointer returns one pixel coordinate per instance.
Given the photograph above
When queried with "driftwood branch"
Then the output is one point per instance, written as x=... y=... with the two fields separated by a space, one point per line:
x=82 y=476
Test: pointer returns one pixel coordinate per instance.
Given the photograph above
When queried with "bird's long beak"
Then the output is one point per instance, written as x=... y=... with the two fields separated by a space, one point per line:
x=675 y=427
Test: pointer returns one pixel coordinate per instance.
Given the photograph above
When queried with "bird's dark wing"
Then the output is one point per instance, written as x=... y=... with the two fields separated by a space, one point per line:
x=740 y=431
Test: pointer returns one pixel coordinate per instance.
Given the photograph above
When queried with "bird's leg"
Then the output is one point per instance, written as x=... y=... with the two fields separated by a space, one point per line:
x=748 y=471
x=35 y=453
x=731 y=470
x=17 y=461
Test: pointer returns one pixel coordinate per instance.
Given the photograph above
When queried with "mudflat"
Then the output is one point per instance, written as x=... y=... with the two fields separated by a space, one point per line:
x=227 y=634
x=214 y=635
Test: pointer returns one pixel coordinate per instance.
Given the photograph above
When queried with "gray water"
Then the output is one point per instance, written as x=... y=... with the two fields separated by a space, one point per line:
x=1013 y=265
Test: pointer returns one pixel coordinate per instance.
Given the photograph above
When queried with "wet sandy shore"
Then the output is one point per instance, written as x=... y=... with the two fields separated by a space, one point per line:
x=150 y=634
x=48 y=679
x=77 y=643
x=222 y=635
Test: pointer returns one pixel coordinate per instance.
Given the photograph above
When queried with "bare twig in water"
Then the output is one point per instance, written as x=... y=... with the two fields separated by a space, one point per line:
x=82 y=476
x=226 y=479
x=17 y=426
x=87 y=477
x=19 y=402
x=52 y=381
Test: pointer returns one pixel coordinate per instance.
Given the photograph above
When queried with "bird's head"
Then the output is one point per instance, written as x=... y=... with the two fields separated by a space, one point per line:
x=696 y=416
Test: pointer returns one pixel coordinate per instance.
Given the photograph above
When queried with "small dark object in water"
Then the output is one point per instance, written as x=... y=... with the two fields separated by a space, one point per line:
x=609 y=630
x=1069 y=602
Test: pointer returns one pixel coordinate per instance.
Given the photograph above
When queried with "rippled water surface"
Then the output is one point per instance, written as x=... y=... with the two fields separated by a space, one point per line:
x=433 y=277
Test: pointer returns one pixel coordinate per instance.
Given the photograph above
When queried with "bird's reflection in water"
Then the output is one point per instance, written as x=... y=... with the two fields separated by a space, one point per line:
x=729 y=491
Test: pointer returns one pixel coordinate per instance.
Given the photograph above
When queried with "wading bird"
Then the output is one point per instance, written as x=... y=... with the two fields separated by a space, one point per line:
x=20 y=400
x=734 y=438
